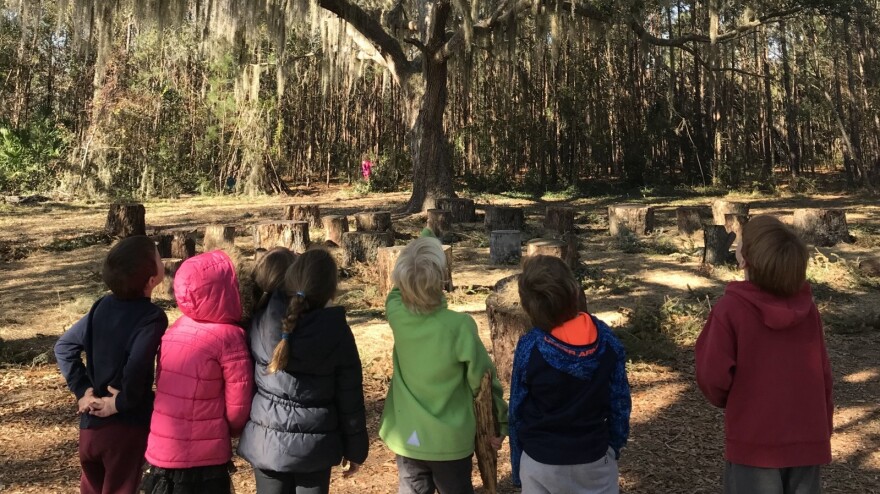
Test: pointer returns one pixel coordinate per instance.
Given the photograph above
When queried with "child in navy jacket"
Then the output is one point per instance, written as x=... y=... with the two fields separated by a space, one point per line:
x=569 y=398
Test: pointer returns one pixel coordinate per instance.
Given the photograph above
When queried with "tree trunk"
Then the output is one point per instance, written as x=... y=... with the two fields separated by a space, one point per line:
x=717 y=244
x=125 y=220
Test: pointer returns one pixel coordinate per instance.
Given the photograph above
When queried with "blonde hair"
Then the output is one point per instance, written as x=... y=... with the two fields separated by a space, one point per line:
x=420 y=273
x=775 y=256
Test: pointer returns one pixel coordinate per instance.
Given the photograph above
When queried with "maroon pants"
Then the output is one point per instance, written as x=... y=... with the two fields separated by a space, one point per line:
x=112 y=458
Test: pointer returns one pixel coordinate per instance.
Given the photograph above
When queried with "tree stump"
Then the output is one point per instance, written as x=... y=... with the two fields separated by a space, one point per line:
x=549 y=247
x=487 y=428
x=870 y=267
x=165 y=290
x=690 y=219
x=463 y=210
x=821 y=227
x=218 y=237
x=503 y=218
x=440 y=222
x=505 y=246
x=633 y=218
x=717 y=244
x=293 y=235
x=721 y=207
x=507 y=323
x=334 y=226
x=379 y=221
x=387 y=259
x=364 y=246
x=176 y=244
x=448 y=285
x=304 y=212
x=734 y=223
x=126 y=220
x=559 y=219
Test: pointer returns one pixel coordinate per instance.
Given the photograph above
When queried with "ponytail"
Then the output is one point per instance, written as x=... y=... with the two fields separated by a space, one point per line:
x=298 y=305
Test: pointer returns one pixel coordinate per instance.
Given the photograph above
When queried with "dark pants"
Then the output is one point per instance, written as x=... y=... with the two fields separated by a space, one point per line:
x=741 y=479
x=427 y=477
x=112 y=458
x=269 y=482
x=213 y=479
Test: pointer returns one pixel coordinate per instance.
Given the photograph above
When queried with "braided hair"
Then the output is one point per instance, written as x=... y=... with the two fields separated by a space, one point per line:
x=310 y=283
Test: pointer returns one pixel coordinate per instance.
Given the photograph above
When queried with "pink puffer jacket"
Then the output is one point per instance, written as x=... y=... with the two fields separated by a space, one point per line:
x=204 y=380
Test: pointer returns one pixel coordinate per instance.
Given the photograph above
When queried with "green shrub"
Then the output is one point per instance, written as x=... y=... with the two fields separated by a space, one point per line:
x=30 y=156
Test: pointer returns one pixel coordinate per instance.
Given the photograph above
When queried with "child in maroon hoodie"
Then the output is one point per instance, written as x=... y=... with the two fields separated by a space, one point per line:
x=762 y=357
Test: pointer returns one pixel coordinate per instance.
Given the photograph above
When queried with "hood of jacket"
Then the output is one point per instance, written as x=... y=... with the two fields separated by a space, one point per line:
x=577 y=361
x=777 y=313
x=206 y=289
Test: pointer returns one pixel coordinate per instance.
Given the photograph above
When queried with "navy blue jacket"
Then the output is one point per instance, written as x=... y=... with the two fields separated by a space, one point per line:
x=120 y=339
x=309 y=416
x=568 y=403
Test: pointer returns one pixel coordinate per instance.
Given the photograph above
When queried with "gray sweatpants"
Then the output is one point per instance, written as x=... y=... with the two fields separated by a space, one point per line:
x=741 y=479
x=598 y=477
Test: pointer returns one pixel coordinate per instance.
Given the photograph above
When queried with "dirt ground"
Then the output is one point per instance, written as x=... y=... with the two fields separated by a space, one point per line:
x=652 y=291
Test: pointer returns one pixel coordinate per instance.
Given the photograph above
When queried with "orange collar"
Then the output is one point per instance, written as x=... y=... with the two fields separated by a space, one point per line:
x=579 y=331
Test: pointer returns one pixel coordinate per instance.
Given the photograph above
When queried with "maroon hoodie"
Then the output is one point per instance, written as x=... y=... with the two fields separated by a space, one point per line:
x=763 y=359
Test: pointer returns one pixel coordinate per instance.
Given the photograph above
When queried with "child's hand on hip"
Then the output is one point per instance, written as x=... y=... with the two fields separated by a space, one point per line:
x=496 y=442
x=89 y=402
x=351 y=470
x=108 y=404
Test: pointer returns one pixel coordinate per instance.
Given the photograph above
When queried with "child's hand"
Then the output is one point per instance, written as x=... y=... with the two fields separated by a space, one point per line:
x=108 y=407
x=89 y=402
x=351 y=470
x=496 y=442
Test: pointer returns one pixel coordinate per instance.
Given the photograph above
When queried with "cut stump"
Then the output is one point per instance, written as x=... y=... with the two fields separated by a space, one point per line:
x=378 y=221
x=293 y=235
x=721 y=207
x=633 y=218
x=821 y=227
x=487 y=428
x=503 y=218
x=717 y=244
x=334 y=226
x=505 y=246
x=126 y=220
x=507 y=323
x=870 y=267
x=690 y=219
x=550 y=247
x=165 y=290
x=364 y=246
x=440 y=222
x=304 y=212
x=734 y=223
x=176 y=244
x=463 y=210
x=218 y=237
x=559 y=219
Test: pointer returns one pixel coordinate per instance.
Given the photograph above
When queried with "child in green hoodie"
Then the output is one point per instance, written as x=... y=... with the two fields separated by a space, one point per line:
x=439 y=361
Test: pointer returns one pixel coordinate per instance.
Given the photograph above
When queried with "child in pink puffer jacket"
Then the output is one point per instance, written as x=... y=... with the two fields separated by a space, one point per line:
x=204 y=383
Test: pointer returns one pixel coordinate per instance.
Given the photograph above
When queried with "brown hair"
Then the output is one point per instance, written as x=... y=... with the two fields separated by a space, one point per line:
x=268 y=274
x=548 y=292
x=775 y=256
x=310 y=283
x=129 y=266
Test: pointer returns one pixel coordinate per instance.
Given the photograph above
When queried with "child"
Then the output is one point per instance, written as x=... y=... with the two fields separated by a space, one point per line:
x=569 y=394
x=308 y=414
x=762 y=357
x=439 y=361
x=120 y=336
x=268 y=275
x=204 y=383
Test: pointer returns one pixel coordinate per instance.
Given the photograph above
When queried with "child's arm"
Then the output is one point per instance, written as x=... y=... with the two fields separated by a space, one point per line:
x=621 y=402
x=350 y=402
x=715 y=355
x=137 y=374
x=238 y=380
x=68 y=353
x=473 y=354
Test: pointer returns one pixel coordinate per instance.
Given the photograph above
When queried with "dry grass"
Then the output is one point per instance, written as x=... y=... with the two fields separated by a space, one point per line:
x=655 y=296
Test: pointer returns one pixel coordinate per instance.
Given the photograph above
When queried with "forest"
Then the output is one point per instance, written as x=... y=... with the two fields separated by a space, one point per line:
x=156 y=98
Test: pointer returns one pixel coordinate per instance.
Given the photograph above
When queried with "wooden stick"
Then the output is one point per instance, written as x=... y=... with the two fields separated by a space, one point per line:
x=487 y=457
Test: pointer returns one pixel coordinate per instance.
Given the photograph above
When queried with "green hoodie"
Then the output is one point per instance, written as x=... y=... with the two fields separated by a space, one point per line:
x=439 y=361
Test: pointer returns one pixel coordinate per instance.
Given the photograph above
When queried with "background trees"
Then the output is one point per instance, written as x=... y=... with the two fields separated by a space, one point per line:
x=541 y=95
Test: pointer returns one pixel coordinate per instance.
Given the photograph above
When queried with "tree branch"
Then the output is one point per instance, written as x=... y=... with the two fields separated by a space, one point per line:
x=387 y=46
